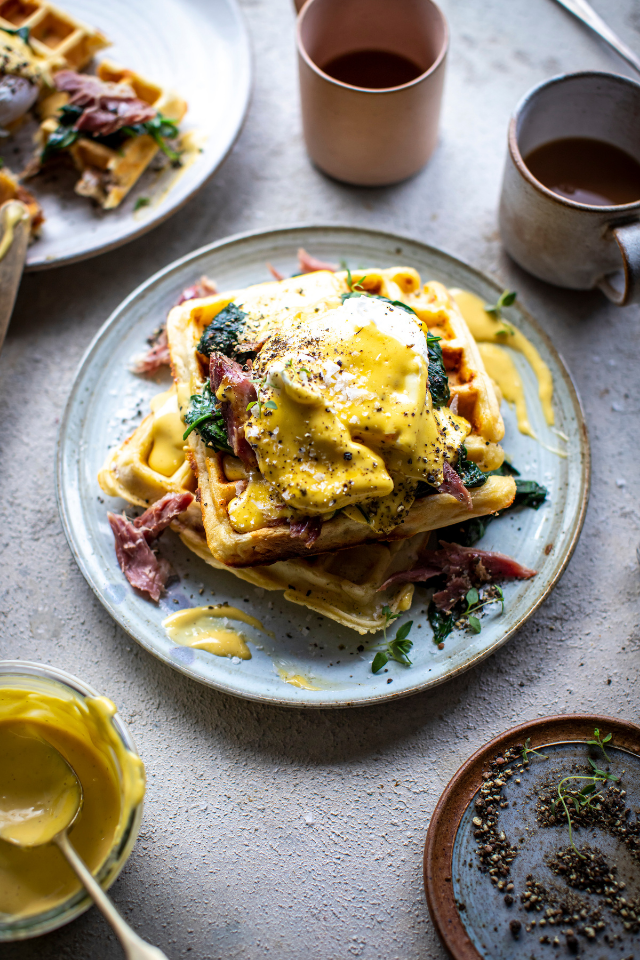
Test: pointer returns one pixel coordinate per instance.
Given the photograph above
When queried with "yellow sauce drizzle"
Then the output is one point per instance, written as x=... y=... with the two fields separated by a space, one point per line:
x=197 y=627
x=15 y=213
x=502 y=371
x=167 y=451
x=485 y=328
x=297 y=680
x=33 y=710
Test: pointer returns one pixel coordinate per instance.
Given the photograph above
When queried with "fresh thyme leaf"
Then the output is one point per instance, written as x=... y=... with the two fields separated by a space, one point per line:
x=398 y=648
x=205 y=416
x=224 y=332
x=270 y=405
x=472 y=597
x=475 y=624
x=379 y=661
x=141 y=202
x=506 y=299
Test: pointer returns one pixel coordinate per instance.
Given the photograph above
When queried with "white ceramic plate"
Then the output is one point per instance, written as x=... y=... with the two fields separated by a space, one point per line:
x=200 y=49
x=102 y=411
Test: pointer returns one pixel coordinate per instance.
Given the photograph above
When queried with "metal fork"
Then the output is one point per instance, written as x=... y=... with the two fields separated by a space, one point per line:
x=583 y=11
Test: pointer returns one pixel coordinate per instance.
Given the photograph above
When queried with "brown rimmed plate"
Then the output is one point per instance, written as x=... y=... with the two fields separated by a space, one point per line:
x=470 y=914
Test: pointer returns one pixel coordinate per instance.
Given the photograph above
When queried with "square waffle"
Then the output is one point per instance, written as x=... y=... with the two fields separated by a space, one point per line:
x=268 y=305
x=342 y=586
x=108 y=175
x=54 y=36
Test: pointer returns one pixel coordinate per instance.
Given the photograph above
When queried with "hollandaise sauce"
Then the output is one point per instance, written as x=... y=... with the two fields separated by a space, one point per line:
x=344 y=410
x=488 y=329
x=37 y=792
x=200 y=628
x=502 y=370
x=297 y=680
x=167 y=450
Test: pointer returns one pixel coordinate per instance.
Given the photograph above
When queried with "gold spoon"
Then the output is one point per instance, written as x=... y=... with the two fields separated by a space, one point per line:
x=40 y=800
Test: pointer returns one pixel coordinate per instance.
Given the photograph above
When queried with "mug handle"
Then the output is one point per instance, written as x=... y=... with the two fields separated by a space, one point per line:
x=628 y=239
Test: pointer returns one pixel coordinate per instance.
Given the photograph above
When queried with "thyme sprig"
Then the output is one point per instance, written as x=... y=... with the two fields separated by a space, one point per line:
x=475 y=604
x=397 y=649
x=529 y=750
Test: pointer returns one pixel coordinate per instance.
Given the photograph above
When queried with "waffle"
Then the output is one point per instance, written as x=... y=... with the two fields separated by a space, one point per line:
x=269 y=304
x=56 y=38
x=108 y=175
x=342 y=586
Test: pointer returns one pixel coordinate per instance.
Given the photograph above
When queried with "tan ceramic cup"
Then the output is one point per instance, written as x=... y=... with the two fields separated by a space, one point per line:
x=572 y=244
x=362 y=136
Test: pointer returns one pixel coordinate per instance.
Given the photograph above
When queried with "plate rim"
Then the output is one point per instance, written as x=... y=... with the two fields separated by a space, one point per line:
x=153 y=222
x=457 y=795
x=234 y=240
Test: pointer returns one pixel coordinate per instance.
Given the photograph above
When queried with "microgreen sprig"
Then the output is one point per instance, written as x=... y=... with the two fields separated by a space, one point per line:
x=584 y=798
x=528 y=749
x=600 y=742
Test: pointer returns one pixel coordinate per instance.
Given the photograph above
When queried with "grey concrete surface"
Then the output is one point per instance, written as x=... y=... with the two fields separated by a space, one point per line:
x=291 y=834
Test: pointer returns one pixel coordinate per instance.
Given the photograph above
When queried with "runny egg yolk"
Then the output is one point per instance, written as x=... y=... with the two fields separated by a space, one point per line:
x=344 y=404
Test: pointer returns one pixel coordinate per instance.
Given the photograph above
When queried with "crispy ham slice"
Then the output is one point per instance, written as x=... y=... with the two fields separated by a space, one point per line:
x=453 y=484
x=158 y=353
x=240 y=392
x=309 y=264
x=205 y=287
x=141 y=566
x=107 y=106
x=307 y=529
x=464 y=568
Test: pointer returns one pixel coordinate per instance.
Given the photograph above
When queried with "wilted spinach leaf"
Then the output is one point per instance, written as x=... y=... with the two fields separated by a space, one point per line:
x=205 y=416
x=470 y=474
x=438 y=380
x=441 y=623
x=224 y=332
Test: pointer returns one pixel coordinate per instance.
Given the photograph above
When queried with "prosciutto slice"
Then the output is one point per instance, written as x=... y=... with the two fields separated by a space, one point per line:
x=309 y=264
x=141 y=566
x=453 y=484
x=240 y=391
x=107 y=106
x=156 y=356
x=160 y=514
x=463 y=567
x=158 y=353
x=308 y=529
x=203 y=288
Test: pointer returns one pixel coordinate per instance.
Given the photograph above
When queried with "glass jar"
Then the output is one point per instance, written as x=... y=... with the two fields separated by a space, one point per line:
x=41 y=678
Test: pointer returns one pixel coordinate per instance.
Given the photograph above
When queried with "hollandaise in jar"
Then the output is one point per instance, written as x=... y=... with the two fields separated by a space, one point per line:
x=38 y=890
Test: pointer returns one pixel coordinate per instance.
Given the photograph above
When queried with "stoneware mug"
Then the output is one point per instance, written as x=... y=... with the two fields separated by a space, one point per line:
x=570 y=244
x=371 y=137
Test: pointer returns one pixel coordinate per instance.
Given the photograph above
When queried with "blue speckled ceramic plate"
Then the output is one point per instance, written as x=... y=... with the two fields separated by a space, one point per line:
x=102 y=411
x=471 y=914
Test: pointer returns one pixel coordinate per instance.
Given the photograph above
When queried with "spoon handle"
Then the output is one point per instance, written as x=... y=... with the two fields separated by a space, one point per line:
x=135 y=947
x=585 y=12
